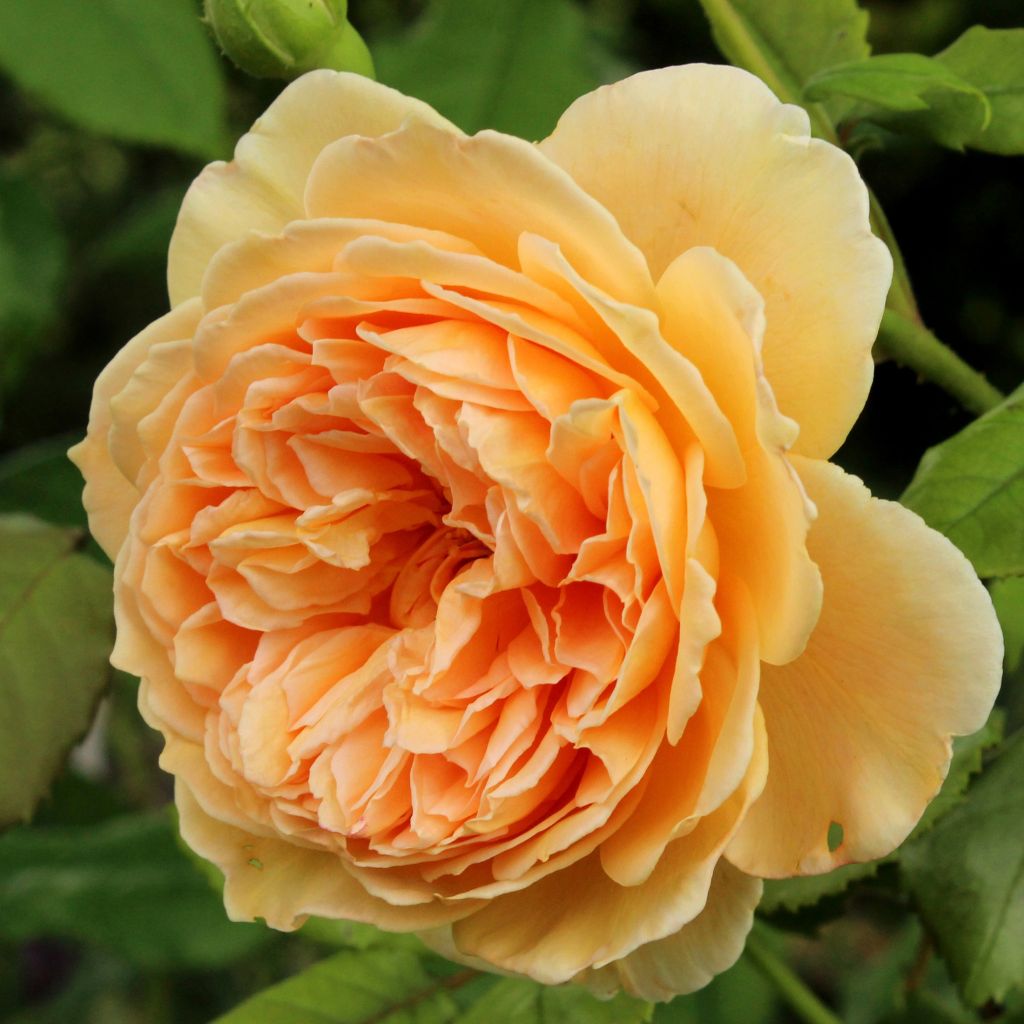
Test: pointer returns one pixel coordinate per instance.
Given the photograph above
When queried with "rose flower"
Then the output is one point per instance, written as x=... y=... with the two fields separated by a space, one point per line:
x=475 y=542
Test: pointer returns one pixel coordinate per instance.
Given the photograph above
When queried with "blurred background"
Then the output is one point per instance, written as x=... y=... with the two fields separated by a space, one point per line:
x=104 y=919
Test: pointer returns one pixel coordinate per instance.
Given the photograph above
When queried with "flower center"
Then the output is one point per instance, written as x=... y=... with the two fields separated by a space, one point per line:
x=424 y=541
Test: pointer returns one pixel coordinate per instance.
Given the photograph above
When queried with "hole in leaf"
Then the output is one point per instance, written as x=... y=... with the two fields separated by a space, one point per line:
x=835 y=836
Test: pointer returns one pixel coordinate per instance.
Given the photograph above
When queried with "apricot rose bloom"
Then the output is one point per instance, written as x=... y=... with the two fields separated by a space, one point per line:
x=475 y=541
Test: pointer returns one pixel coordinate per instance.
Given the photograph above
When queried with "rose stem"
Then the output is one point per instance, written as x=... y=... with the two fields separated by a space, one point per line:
x=801 y=999
x=904 y=337
x=913 y=345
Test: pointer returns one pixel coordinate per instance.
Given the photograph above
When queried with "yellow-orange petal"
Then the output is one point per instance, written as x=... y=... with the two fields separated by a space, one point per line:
x=257 y=259
x=907 y=653
x=109 y=496
x=686 y=961
x=165 y=365
x=283 y=883
x=691 y=777
x=710 y=311
x=487 y=189
x=706 y=155
x=261 y=188
x=559 y=926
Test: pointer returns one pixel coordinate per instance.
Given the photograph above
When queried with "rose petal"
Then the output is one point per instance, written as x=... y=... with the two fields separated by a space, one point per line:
x=706 y=155
x=906 y=654
x=709 y=308
x=487 y=189
x=109 y=496
x=686 y=961
x=282 y=883
x=261 y=188
x=559 y=926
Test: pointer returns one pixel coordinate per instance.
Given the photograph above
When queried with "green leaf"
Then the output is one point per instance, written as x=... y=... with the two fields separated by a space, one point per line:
x=513 y=66
x=395 y=984
x=122 y=884
x=872 y=983
x=517 y=1001
x=1008 y=599
x=56 y=626
x=967 y=879
x=740 y=995
x=41 y=480
x=966 y=763
x=33 y=259
x=790 y=895
x=793 y=894
x=893 y=81
x=378 y=985
x=786 y=42
x=139 y=71
x=907 y=92
x=993 y=61
x=356 y=935
x=971 y=488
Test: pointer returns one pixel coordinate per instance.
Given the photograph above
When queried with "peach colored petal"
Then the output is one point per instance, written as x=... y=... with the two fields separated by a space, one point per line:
x=712 y=310
x=686 y=408
x=706 y=155
x=165 y=365
x=419 y=260
x=512 y=450
x=686 y=961
x=283 y=883
x=528 y=324
x=550 y=934
x=661 y=481
x=163 y=702
x=267 y=317
x=109 y=495
x=488 y=189
x=261 y=188
x=906 y=654
x=695 y=774
x=209 y=650
x=256 y=259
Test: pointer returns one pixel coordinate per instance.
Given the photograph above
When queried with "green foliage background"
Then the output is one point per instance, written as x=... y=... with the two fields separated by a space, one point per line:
x=107 y=111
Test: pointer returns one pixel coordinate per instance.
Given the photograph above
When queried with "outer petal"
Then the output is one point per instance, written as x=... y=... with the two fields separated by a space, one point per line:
x=706 y=155
x=686 y=961
x=262 y=188
x=711 y=312
x=487 y=189
x=907 y=653
x=109 y=495
x=279 y=881
x=579 y=918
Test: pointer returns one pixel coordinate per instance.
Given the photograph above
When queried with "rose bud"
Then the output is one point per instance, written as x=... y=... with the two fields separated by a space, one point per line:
x=285 y=38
